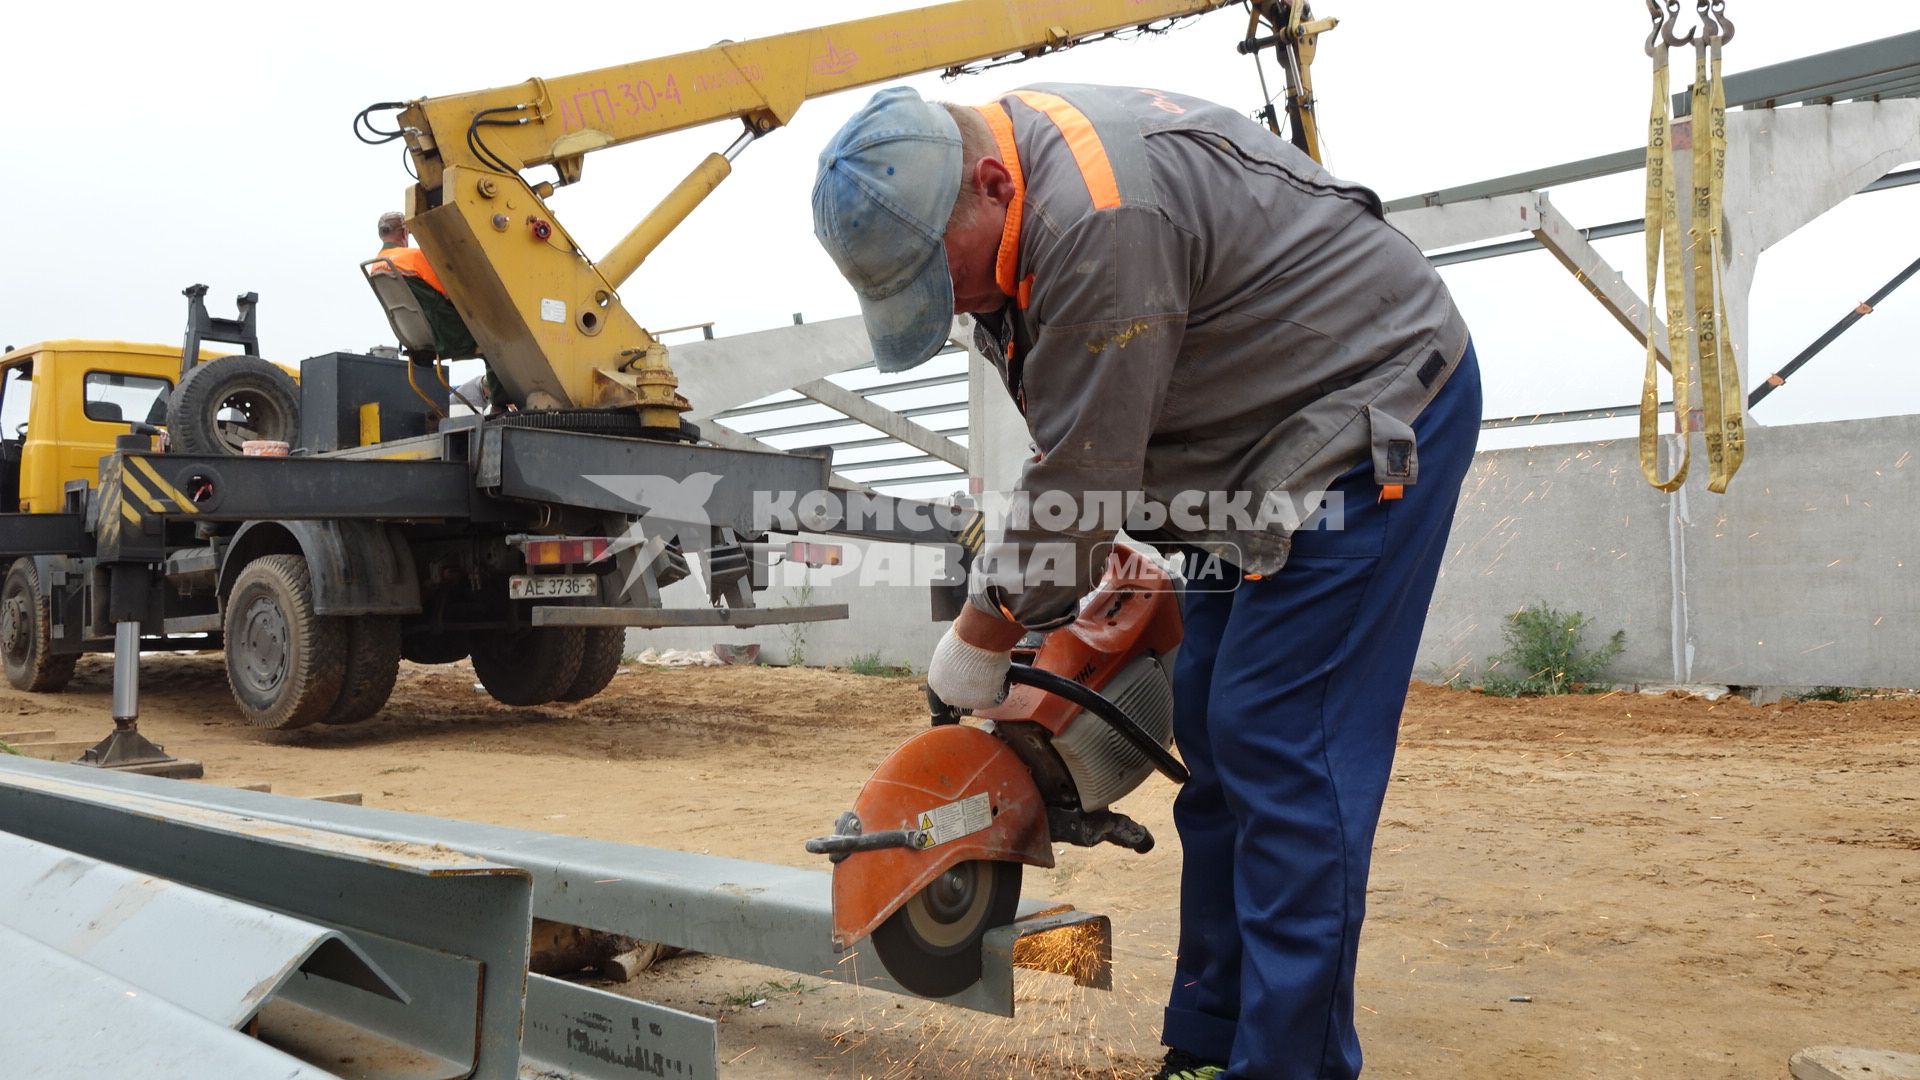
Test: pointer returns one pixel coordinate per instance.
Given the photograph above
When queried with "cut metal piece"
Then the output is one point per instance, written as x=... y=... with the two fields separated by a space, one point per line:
x=58 y=1007
x=213 y=956
x=587 y=1034
x=449 y=928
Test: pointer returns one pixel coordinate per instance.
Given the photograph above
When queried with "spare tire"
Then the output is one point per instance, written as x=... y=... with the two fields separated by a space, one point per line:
x=223 y=403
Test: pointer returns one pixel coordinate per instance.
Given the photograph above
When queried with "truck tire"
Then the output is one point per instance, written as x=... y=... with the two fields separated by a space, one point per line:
x=26 y=633
x=599 y=662
x=222 y=403
x=284 y=662
x=531 y=666
x=373 y=662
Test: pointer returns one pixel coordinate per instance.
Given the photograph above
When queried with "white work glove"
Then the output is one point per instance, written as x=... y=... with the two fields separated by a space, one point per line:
x=969 y=666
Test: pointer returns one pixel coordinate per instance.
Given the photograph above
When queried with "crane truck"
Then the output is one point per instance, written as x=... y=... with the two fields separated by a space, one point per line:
x=393 y=529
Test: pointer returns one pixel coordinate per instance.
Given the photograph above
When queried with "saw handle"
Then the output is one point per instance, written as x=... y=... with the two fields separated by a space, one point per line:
x=1092 y=701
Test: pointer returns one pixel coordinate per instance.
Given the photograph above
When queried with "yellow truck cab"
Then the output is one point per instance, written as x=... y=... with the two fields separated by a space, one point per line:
x=62 y=403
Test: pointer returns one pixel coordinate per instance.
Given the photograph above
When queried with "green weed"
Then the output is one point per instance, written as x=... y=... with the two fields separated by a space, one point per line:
x=1546 y=654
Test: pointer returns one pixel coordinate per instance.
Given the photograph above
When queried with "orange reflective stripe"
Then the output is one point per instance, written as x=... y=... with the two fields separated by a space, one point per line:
x=1006 y=265
x=1088 y=152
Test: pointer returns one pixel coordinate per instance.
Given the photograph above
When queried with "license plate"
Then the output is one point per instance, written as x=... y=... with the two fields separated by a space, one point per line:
x=552 y=586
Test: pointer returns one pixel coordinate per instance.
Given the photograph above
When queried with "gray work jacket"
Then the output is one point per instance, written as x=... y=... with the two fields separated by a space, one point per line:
x=1198 y=307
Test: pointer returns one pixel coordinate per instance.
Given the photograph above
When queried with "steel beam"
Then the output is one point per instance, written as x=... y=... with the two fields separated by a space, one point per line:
x=777 y=916
x=217 y=958
x=450 y=929
x=847 y=421
x=586 y=1034
x=65 y=1018
x=1467 y=221
x=627 y=476
x=1883 y=68
x=659 y=618
x=1599 y=278
x=886 y=421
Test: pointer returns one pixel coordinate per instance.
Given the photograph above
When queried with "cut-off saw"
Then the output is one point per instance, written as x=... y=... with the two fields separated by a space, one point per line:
x=930 y=857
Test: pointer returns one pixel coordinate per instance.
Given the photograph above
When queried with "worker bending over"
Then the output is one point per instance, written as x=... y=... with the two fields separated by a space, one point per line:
x=1184 y=305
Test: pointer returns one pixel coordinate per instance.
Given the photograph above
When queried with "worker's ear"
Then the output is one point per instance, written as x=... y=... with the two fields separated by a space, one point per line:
x=992 y=178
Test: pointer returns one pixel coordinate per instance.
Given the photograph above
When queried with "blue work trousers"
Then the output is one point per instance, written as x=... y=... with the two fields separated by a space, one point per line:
x=1288 y=692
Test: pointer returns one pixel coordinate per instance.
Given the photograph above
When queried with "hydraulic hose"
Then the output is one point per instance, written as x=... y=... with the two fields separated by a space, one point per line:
x=1092 y=701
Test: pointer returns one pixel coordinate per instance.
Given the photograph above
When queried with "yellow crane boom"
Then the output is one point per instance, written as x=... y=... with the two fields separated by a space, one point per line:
x=547 y=316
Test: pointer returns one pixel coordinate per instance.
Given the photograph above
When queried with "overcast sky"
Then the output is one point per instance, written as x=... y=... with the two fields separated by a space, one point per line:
x=151 y=146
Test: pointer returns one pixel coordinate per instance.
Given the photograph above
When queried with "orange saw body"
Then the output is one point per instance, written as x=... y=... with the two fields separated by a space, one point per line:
x=930 y=857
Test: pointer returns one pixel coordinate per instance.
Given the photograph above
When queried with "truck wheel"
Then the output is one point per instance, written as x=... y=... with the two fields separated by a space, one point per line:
x=284 y=663
x=599 y=662
x=373 y=662
x=529 y=667
x=26 y=633
x=222 y=403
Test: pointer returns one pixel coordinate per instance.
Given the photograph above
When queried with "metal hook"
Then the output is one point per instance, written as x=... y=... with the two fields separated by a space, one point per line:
x=1672 y=20
x=1723 y=25
x=1659 y=20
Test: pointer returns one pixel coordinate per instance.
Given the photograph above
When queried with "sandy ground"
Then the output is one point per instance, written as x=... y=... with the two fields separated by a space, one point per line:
x=1678 y=888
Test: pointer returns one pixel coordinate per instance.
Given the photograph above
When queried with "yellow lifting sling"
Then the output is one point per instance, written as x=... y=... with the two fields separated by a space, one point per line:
x=1704 y=320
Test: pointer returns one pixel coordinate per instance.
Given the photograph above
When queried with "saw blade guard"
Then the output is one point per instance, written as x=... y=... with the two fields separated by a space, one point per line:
x=967 y=796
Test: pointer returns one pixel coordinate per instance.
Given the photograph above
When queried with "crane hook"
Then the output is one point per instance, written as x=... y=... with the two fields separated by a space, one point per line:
x=1722 y=26
x=1672 y=20
x=1659 y=20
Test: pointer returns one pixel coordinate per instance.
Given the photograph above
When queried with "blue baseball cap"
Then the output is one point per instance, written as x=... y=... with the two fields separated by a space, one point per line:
x=886 y=187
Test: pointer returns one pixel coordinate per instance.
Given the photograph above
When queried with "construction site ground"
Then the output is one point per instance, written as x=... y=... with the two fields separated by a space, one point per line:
x=1593 y=886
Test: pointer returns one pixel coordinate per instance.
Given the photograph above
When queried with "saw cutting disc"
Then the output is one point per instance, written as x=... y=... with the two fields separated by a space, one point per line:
x=932 y=944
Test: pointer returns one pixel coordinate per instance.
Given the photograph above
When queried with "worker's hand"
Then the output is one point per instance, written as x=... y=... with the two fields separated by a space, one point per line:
x=969 y=666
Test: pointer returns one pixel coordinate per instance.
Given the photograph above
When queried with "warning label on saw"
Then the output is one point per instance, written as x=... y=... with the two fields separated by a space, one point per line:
x=955 y=820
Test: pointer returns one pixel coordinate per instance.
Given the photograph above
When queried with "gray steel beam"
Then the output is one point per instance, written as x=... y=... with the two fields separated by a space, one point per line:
x=766 y=407
x=923 y=478
x=658 y=618
x=1622 y=228
x=626 y=475
x=1531 y=180
x=887 y=421
x=882 y=463
x=1615 y=412
x=1599 y=278
x=65 y=1018
x=843 y=421
x=882 y=389
x=867 y=391
x=1837 y=73
x=213 y=956
x=449 y=929
x=586 y=1034
x=855 y=444
x=1886 y=66
x=773 y=915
